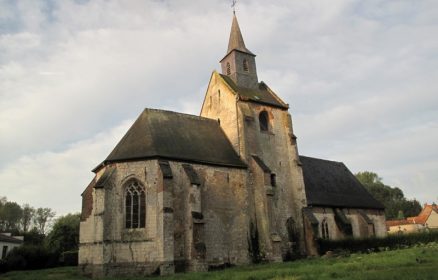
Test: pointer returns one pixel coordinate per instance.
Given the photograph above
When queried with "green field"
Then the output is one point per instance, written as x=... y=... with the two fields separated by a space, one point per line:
x=420 y=262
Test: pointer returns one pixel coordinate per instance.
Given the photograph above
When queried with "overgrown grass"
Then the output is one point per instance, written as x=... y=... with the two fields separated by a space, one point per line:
x=418 y=262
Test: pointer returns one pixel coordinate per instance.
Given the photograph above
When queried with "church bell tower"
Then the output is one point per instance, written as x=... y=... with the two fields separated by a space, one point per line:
x=239 y=62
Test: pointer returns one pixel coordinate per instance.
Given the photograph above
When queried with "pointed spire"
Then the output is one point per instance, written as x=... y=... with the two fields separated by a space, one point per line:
x=236 y=40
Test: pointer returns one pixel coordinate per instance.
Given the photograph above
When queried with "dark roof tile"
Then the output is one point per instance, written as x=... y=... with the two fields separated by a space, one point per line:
x=175 y=136
x=262 y=165
x=262 y=94
x=330 y=183
x=10 y=239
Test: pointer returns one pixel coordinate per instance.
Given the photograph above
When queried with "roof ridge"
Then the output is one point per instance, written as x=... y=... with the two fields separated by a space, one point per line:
x=273 y=93
x=322 y=159
x=179 y=113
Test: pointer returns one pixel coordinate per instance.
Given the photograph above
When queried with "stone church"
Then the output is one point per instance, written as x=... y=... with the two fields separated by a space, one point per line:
x=187 y=193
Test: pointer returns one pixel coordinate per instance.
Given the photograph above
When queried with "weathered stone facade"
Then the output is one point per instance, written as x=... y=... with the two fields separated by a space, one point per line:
x=361 y=223
x=187 y=193
x=271 y=205
x=177 y=209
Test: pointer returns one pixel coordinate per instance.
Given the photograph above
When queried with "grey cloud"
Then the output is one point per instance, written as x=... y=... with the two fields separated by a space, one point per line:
x=359 y=76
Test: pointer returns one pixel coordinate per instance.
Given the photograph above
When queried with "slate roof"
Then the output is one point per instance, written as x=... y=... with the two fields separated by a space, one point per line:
x=262 y=94
x=236 y=39
x=331 y=184
x=175 y=136
x=262 y=165
x=10 y=239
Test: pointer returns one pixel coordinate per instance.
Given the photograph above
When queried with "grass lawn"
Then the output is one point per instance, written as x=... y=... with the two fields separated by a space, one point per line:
x=419 y=262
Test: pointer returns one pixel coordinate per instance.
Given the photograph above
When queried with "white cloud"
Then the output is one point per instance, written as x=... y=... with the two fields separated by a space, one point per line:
x=56 y=179
x=360 y=78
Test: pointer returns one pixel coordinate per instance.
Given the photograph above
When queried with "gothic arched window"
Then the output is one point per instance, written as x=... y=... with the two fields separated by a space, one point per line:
x=245 y=65
x=264 y=121
x=228 y=68
x=135 y=205
x=325 y=230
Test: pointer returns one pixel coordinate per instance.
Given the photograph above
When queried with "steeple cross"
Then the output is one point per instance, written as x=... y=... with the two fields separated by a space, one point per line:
x=233 y=5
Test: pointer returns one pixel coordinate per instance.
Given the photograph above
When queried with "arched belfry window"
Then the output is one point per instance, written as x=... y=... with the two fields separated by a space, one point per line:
x=228 y=68
x=245 y=65
x=325 y=230
x=264 y=121
x=135 y=205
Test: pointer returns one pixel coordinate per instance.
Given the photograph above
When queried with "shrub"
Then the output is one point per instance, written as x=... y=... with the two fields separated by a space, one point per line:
x=376 y=244
x=69 y=258
x=29 y=257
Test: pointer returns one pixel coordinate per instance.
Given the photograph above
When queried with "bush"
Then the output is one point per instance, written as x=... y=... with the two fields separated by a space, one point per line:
x=377 y=244
x=29 y=257
x=33 y=237
x=69 y=258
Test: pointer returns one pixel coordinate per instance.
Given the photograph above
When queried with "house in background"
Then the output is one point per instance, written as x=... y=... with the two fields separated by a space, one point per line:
x=427 y=219
x=9 y=242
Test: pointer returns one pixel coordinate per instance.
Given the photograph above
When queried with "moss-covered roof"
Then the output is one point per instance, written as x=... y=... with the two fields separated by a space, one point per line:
x=331 y=184
x=175 y=136
x=262 y=94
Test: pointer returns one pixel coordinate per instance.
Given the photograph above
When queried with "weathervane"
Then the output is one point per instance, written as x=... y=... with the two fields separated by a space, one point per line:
x=233 y=5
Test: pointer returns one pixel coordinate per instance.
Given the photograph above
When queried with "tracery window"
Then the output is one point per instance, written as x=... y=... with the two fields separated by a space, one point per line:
x=325 y=230
x=245 y=65
x=228 y=68
x=263 y=121
x=135 y=205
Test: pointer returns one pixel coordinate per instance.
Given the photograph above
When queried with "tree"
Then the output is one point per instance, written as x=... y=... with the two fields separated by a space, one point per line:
x=42 y=217
x=64 y=235
x=27 y=217
x=10 y=216
x=400 y=215
x=33 y=237
x=391 y=197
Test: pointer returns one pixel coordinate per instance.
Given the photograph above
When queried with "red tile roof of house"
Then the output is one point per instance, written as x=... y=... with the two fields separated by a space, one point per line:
x=397 y=223
x=420 y=219
x=424 y=214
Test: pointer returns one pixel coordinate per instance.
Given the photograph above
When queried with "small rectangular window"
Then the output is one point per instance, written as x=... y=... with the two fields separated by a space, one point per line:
x=273 y=180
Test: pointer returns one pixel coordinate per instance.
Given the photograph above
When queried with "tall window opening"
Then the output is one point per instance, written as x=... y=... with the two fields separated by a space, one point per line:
x=228 y=68
x=219 y=96
x=135 y=205
x=4 y=251
x=325 y=230
x=273 y=180
x=245 y=65
x=263 y=121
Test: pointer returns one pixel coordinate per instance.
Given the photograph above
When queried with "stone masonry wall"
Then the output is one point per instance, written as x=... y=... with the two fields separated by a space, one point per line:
x=224 y=215
x=277 y=148
x=220 y=104
x=359 y=225
x=191 y=226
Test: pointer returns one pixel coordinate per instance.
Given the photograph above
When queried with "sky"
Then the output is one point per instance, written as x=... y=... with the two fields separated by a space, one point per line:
x=361 y=78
